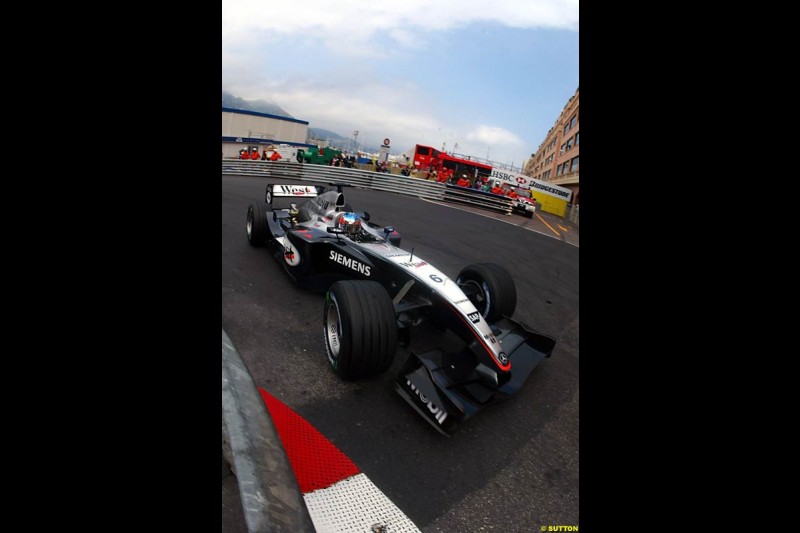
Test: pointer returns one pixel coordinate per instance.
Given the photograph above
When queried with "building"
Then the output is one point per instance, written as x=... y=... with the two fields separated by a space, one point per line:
x=249 y=129
x=557 y=159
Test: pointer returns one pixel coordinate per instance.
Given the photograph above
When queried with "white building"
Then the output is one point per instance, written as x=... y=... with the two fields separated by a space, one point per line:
x=249 y=129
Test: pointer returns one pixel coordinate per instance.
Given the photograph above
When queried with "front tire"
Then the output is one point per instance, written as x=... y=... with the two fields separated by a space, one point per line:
x=257 y=224
x=360 y=329
x=491 y=288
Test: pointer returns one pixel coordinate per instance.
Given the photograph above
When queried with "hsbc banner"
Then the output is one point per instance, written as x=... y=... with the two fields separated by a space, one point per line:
x=515 y=180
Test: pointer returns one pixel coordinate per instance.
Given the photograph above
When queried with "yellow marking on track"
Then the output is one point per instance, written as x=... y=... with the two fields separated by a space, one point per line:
x=549 y=226
x=562 y=227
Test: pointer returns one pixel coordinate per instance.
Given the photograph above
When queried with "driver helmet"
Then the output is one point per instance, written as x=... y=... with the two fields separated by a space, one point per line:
x=349 y=222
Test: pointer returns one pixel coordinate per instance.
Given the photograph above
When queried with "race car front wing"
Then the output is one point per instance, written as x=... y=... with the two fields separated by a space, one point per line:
x=448 y=388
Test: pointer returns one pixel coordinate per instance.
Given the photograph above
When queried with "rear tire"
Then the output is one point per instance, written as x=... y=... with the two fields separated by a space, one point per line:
x=360 y=329
x=257 y=224
x=491 y=288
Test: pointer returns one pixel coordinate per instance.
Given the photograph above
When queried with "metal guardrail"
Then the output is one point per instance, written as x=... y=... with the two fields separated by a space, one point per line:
x=271 y=498
x=366 y=179
x=475 y=198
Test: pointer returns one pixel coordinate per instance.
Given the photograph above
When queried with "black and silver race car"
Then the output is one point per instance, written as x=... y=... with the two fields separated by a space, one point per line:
x=465 y=352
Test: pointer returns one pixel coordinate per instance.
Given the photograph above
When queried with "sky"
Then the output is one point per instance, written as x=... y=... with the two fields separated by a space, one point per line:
x=486 y=79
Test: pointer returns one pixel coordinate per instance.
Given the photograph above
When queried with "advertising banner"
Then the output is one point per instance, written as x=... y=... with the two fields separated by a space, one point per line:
x=553 y=198
x=513 y=179
x=561 y=193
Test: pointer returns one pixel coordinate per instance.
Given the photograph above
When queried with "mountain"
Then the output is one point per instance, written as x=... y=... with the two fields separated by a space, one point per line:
x=334 y=139
x=337 y=141
x=259 y=106
x=326 y=135
x=340 y=142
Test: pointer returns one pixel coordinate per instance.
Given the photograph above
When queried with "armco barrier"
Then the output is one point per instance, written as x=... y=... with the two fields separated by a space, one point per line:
x=271 y=497
x=471 y=197
x=365 y=179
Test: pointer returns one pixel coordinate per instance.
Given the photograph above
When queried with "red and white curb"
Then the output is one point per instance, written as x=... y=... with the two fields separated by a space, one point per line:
x=338 y=496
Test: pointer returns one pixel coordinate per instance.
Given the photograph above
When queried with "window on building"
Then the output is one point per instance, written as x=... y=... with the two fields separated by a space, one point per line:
x=563 y=148
x=569 y=144
x=573 y=121
x=573 y=164
x=577 y=139
x=566 y=129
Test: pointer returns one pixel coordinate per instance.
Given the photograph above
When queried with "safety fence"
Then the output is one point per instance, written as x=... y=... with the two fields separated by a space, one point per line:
x=366 y=179
x=271 y=497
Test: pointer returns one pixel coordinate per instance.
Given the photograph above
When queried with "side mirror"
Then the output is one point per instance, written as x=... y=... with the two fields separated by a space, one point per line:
x=337 y=231
x=388 y=229
x=365 y=215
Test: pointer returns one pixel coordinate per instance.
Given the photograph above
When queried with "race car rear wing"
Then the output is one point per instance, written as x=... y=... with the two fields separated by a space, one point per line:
x=281 y=196
x=290 y=191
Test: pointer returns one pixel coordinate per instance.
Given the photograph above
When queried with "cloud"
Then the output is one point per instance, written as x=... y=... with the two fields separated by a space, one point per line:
x=375 y=67
x=492 y=135
x=354 y=23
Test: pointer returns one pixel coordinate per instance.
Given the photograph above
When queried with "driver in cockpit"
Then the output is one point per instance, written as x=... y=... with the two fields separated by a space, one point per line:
x=348 y=222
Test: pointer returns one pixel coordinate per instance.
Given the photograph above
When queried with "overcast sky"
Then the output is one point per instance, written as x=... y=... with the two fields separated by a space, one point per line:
x=491 y=76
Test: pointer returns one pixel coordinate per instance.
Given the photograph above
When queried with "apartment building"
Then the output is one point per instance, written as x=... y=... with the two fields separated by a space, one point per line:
x=557 y=158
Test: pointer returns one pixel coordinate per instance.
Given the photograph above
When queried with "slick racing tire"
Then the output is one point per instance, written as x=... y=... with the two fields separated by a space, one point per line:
x=360 y=329
x=490 y=287
x=257 y=224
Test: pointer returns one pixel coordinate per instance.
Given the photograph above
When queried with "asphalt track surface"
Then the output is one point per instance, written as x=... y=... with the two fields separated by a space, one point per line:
x=512 y=467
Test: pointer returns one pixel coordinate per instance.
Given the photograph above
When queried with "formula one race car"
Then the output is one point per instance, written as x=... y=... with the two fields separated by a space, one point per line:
x=465 y=353
x=523 y=206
